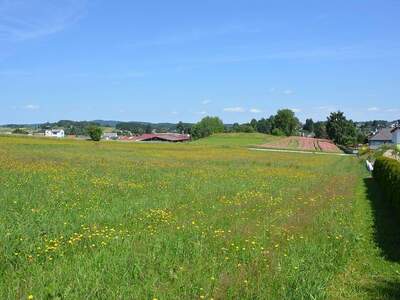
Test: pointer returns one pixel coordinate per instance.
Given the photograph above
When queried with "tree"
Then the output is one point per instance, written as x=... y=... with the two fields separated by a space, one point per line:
x=247 y=128
x=183 y=127
x=277 y=132
x=148 y=128
x=19 y=131
x=286 y=121
x=320 y=130
x=269 y=124
x=265 y=125
x=214 y=123
x=253 y=123
x=361 y=137
x=341 y=130
x=261 y=126
x=235 y=127
x=207 y=126
x=95 y=132
x=180 y=128
x=309 y=125
x=200 y=131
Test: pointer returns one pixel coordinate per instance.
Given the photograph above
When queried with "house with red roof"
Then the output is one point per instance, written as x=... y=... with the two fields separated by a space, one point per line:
x=159 y=137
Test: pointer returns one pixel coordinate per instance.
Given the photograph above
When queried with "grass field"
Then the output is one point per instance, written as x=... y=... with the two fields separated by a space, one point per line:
x=237 y=139
x=205 y=220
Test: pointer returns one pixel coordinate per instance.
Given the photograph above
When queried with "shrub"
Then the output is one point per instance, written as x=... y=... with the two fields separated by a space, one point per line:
x=206 y=127
x=95 y=133
x=19 y=131
x=363 y=150
x=277 y=132
x=387 y=174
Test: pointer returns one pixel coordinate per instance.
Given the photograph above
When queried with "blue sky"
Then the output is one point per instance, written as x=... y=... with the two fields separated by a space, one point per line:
x=180 y=60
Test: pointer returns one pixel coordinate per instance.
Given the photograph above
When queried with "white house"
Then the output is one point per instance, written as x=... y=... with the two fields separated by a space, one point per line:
x=396 y=135
x=58 y=133
x=110 y=136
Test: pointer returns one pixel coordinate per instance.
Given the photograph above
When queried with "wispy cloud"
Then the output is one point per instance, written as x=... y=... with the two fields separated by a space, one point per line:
x=116 y=76
x=31 y=107
x=384 y=111
x=15 y=73
x=356 y=52
x=203 y=112
x=374 y=108
x=280 y=92
x=237 y=109
x=206 y=101
x=392 y=110
x=22 y=20
x=326 y=108
x=296 y=110
x=255 y=110
x=287 y=92
x=193 y=35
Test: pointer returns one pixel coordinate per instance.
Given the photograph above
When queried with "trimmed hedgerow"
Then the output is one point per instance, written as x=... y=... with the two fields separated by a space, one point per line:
x=387 y=174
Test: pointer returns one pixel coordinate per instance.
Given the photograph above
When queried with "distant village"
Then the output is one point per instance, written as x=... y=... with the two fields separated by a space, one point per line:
x=172 y=137
x=114 y=135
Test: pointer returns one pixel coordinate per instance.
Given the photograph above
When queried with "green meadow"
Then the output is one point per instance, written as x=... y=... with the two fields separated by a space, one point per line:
x=203 y=220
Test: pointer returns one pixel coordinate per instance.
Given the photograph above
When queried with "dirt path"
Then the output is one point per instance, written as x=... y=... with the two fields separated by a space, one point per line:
x=299 y=151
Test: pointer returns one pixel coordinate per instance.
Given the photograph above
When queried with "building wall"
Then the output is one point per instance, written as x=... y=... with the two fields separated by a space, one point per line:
x=59 y=134
x=377 y=144
x=396 y=137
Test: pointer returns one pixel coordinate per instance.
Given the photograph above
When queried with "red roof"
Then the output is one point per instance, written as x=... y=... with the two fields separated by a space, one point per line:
x=126 y=138
x=168 y=137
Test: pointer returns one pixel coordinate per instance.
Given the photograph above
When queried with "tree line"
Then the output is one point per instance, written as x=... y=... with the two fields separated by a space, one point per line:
x=284 y=123
x=337 y=127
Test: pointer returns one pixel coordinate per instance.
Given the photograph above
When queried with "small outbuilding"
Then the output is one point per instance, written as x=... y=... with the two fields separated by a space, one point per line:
x=58 y=133
x=110 y=136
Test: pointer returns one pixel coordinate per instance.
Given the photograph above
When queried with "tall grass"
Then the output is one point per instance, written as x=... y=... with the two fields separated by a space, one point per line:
x=143 y=221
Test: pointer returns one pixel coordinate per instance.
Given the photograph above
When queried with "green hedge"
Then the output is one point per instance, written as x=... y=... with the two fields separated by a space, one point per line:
x=387 y=174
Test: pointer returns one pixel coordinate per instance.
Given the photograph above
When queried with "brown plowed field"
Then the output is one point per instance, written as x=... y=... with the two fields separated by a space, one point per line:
x=303 y=143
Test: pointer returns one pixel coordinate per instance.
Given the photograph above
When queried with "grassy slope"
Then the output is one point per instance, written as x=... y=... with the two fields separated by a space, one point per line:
x=119 y=220
x=236 y=139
